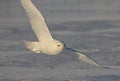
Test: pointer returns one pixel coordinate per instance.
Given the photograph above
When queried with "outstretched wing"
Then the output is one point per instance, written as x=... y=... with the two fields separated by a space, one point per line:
x=86 y=59
x=37 y=21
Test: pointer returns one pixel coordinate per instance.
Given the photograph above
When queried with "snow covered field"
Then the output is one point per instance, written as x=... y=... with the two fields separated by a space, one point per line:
x=90 y=26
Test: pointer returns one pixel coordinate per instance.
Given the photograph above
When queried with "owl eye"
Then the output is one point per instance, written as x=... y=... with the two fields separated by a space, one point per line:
x=58 y=45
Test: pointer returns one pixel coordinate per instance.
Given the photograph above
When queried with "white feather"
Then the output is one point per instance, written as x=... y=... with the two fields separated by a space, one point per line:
x=46 y=43
x=37 y=21
x=87 y=59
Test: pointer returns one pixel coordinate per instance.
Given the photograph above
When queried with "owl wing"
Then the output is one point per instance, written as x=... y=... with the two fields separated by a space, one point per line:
x=37 y=21
x=87 y=59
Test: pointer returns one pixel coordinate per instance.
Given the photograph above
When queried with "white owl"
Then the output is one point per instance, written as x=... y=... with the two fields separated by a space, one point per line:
x=46 y=44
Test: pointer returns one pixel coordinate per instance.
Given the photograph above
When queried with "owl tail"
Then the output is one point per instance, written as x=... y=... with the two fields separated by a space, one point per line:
x=32 y=46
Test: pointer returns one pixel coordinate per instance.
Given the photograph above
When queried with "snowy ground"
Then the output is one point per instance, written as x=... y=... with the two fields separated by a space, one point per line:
x=90 y=26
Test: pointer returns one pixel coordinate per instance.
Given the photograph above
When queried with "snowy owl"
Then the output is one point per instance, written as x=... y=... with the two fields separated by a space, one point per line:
x=46 y=44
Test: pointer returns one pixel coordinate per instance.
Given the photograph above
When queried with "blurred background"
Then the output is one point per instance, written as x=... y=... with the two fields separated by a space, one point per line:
x=65 y=10
x=90 y=26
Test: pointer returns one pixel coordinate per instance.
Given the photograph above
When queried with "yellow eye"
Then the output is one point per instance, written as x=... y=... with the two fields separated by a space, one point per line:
x=58 y=45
